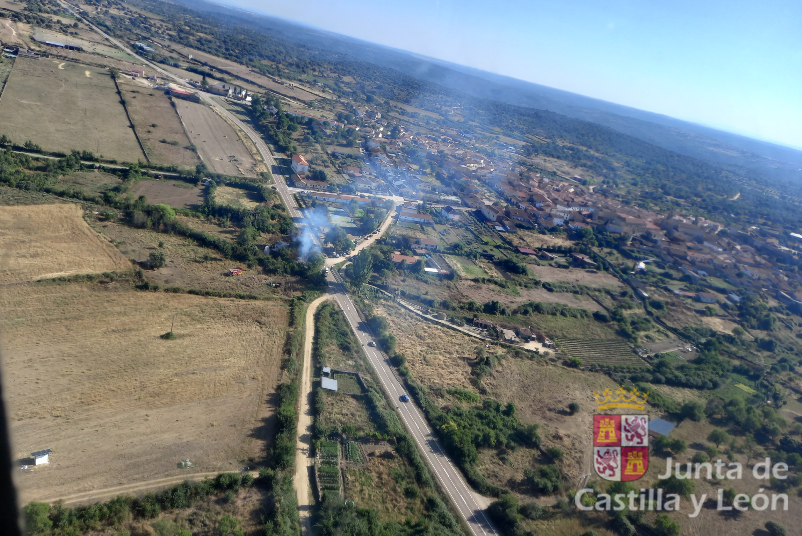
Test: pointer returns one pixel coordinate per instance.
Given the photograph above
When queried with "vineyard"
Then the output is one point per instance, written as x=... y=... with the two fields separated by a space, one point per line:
x=352 y=452
x=601 y=352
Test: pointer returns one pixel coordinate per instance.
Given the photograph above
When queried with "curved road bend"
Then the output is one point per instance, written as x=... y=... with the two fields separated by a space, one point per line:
x=469 y=505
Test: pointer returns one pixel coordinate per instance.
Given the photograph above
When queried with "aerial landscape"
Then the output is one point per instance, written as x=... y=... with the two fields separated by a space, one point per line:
x=258 y=278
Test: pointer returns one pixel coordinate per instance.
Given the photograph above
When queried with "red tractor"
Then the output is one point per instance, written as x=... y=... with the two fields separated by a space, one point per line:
x=235 y=271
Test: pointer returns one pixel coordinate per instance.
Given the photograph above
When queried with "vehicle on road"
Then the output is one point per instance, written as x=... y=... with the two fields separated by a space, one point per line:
x=371 y=344
x=404 y=398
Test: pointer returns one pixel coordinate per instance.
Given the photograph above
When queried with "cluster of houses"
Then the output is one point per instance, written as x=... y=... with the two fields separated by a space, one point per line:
x=514 y=334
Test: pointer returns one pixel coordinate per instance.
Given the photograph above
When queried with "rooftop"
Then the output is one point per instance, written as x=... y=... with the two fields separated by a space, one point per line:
x=300 y=160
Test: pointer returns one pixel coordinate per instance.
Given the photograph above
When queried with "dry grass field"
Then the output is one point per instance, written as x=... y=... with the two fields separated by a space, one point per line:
x=45 y=241
x=119 y=405
x=237 y=197
x=177 y=194
x=575 y=275
x=77 y=103
x=94 y=182
x=219 y=145
x=149 y=107
x=437 y=356
x=483 y=293
x=187 y=263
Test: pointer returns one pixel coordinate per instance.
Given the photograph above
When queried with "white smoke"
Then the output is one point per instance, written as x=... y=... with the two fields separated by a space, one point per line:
x=314 y=221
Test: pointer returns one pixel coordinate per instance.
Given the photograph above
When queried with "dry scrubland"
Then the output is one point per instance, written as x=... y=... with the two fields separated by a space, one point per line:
x=8 y=31
x=237 y=197
x=437 y=356
x=155 y=119
x=187 y=263
x=46 y=241
x=177 y=194
x=219 y=145
x=119 y=405
x=95 y=182
x=64 y=106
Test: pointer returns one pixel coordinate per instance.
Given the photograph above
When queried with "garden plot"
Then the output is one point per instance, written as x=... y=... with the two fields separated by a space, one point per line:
x=601 y=352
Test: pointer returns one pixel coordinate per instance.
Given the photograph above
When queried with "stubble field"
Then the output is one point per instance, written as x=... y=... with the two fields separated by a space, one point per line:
x=45 y=241
x=219 y=145
x=177 y=194
x=117 y=404
x=63 y=106
x=155 y=120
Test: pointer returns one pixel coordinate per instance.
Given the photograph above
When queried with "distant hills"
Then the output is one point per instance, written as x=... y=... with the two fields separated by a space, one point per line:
x=697 y=141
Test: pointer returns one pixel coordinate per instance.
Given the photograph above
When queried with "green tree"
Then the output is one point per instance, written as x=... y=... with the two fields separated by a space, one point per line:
x=36 y=518
x=362 y=268
x=166 y=212
x=318 y=175
x=718 y=436
x=694 y=411
x=681 y=487
x=157 y=259
x=338 y=238
x=573 y=408
x=663 y=526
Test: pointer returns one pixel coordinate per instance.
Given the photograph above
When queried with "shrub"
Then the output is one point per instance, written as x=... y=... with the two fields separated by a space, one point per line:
x=555 y=453
x=573 y=407
x=157 y=259
x=531 y=510
x=663 y=526
x=774 y=528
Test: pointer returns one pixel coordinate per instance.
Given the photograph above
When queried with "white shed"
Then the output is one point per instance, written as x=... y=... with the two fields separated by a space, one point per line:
x=41 y=456
x=327 y=370
x=330 y=384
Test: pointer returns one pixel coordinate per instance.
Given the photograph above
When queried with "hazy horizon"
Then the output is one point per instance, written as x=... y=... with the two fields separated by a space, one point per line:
x=723 y=65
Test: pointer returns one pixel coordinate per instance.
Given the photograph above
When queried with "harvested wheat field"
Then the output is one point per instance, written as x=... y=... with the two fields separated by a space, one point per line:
x=119 y=405
x=45 y=241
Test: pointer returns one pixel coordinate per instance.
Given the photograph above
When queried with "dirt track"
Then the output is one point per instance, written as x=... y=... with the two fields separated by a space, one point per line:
x=304 y=438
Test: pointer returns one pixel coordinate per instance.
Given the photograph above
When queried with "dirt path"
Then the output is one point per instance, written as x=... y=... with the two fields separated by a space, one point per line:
x=303 y=442
x=131 y=489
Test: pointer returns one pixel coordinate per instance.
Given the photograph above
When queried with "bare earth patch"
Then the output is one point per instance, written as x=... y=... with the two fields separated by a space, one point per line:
x=177 y=194
x=45 y=241
x=119 y=405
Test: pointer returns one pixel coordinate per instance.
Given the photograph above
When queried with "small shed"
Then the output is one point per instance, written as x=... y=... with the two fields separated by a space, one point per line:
x=41 y=456
x=659 y=427
x=329 y=383
x=327 y=371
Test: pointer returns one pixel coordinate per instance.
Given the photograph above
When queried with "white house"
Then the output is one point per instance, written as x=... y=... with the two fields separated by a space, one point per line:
x=415 y=217
x=450 y=212
x=299 y=164
x=41 y=456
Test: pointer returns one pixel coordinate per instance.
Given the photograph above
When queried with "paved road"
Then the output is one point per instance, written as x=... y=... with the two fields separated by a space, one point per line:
x=470 y=505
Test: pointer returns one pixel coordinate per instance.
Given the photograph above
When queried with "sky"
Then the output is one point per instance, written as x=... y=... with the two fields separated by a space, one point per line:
x=733 y=65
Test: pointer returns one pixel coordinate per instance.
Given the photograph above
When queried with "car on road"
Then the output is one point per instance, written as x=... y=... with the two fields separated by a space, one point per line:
x=371 y=344
x=404 y=398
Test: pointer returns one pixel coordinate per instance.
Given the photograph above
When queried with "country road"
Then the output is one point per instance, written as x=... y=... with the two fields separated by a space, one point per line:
x=303 y=440
x=470 y=505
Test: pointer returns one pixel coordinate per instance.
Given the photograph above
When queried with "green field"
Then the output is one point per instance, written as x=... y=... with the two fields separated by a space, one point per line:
x=63 y=106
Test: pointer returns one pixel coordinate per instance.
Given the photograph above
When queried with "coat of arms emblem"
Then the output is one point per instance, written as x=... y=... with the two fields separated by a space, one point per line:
x=621 y=442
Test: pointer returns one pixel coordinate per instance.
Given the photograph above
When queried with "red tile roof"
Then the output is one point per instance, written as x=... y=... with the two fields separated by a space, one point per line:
x=300 y=160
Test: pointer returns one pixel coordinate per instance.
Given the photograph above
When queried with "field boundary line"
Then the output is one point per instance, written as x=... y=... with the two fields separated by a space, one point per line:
x=130 y=121
x=3 y=89
x=246 y=140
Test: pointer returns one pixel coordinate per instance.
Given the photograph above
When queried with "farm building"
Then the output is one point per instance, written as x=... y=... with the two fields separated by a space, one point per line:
x=41 y=457
x=398 y=258
x=138 y=73
x=482 y=323
x=527 y=251
x=327 y=371
x=329 y=384
x=705 y=297
x=65 y=46
x=143 y=46
x=186 y=95
x=582 y=260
